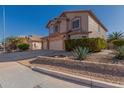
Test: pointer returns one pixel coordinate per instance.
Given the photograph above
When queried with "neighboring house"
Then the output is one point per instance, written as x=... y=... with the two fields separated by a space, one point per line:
x=1 y=46
x=34 y=42
x=72 y=25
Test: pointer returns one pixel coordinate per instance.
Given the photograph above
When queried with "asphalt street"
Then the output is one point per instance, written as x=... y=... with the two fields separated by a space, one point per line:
x=30 y=54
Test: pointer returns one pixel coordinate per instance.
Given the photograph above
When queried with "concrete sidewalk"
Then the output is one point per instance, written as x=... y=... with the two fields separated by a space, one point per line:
x=14 y=75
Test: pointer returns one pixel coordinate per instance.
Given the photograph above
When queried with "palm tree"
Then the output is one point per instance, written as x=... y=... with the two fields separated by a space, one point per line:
x=115 y=36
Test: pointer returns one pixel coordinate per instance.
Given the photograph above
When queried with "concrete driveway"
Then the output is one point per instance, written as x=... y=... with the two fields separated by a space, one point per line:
x=30 y=54
x=15 y=75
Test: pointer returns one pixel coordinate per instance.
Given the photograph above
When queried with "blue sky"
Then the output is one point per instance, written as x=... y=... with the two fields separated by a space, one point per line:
x=31 y=20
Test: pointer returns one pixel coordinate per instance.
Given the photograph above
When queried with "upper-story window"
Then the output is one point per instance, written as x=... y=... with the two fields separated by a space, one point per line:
x=98 y=29
x=54 y=29
x=76 y=23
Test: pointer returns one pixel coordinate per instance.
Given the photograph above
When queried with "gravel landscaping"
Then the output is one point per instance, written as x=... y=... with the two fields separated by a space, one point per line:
x=100 y=66
x=98 y=76
x=106 y=56
x=89 y=74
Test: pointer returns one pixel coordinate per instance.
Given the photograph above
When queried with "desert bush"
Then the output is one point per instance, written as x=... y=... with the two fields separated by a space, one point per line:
x=120 y=52
x=119 y=42
x=23 y=47
x=80 y=53
x=94 y=44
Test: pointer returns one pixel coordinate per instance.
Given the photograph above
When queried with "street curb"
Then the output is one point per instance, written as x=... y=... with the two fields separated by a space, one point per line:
x=24 y=65
x=78 y=79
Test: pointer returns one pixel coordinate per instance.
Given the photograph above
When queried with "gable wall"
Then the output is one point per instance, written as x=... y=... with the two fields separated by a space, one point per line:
x=97 y=30
x=83 y=18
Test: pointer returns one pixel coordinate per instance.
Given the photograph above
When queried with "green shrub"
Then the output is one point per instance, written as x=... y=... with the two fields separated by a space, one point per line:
x=80 y=53
x=94 y=44
x=120 y=52
x=23 y=47
x=119 y=42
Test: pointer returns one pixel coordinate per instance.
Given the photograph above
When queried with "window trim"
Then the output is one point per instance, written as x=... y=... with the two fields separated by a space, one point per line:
x=74 y=19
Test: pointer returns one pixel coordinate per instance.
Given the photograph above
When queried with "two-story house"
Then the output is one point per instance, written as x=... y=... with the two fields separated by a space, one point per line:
x=72 y=25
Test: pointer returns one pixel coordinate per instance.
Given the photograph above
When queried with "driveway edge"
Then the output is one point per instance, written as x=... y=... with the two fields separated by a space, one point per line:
x=78 y=79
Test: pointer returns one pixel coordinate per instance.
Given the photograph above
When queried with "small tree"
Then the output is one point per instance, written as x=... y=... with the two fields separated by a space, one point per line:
x=23 y=47
x=12 y=42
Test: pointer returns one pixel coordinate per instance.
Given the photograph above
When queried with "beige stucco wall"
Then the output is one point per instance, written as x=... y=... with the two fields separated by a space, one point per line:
x=97 y=30
x=93 y=26
x=71 y=16
x=83 y=17
x=84 y=22
x=103 y=33
x=63 y=26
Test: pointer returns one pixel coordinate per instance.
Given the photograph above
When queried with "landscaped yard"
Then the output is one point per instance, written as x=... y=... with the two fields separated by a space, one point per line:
x=106 y=56
x=98 y=66
x=92 y=58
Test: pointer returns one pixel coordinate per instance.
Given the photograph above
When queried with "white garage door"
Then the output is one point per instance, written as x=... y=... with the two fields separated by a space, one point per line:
x=56 y=45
